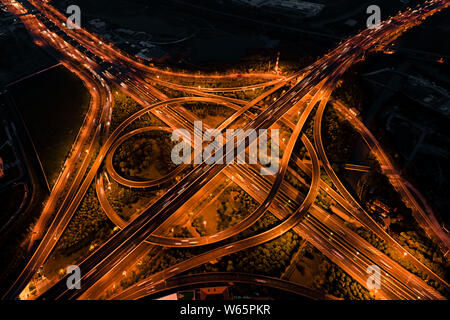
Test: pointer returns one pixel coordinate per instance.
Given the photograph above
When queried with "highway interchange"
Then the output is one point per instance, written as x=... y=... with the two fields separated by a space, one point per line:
x=102 y=66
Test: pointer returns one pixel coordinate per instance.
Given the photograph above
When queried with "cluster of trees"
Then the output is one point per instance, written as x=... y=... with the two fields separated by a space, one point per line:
x=136 y=155
x=335 y=281
x=181 y=232
x=424 y=250
x=438 y=268
x=88 y=225
x=324 y=200
x=337 y=135
x=233 y=210
x=124 y=198
x=124 y=106
x=418 y=244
